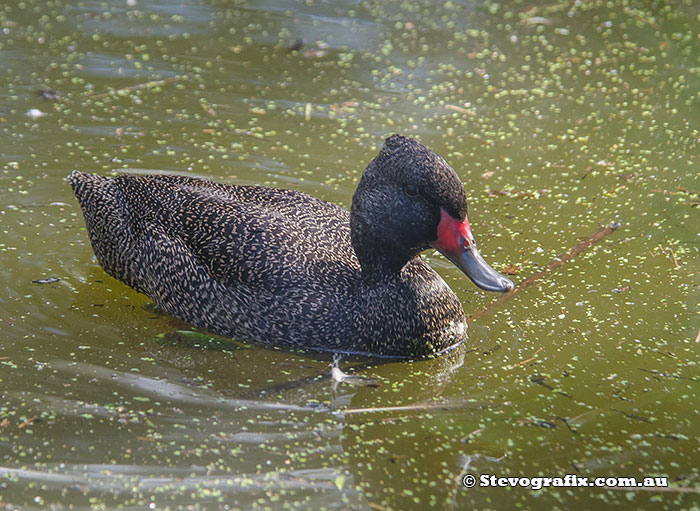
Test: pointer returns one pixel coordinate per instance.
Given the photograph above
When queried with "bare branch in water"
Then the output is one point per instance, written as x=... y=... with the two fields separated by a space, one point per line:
x=551 y=266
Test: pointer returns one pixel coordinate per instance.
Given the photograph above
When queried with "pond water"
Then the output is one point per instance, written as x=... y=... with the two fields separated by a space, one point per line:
x=558 y=116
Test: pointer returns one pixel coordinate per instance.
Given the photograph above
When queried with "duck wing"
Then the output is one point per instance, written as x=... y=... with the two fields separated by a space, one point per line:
x=268 y=239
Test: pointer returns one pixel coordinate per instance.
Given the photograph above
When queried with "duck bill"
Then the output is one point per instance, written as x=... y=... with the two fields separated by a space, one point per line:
x=456 y=242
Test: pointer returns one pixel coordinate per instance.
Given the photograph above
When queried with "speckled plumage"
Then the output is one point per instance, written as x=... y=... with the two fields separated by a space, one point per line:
x=282 y=268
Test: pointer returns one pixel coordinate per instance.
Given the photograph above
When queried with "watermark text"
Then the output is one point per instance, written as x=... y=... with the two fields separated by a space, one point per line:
x=569 y=480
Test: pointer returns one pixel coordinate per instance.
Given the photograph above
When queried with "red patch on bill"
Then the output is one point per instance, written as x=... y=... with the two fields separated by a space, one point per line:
x=452 y=233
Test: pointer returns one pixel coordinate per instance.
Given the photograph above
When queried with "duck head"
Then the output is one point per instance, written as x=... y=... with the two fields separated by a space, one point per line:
x=408 y=200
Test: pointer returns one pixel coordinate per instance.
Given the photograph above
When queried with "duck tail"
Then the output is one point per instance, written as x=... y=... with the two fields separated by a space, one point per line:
x=85 y=185
x=96 y=195
x=99 y=199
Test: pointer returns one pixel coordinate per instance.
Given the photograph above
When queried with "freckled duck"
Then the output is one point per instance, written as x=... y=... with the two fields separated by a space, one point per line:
x=283 y=268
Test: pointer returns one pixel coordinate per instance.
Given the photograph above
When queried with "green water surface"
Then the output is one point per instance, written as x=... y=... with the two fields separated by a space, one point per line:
x=558 y=116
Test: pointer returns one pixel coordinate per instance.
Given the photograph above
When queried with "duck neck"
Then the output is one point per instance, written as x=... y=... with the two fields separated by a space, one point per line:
x=378 y=257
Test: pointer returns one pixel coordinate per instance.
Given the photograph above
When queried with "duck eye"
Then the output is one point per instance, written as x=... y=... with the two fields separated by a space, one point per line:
x=410 y=190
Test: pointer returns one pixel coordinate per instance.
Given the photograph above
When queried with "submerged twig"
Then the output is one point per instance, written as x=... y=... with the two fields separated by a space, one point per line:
x=673 y=258
x=526 y=361
x=672 y=489
x=555 y=263
x=147 y=85
x=409 y=408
